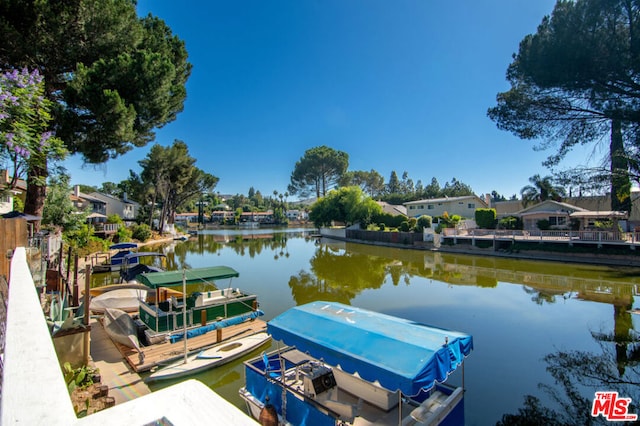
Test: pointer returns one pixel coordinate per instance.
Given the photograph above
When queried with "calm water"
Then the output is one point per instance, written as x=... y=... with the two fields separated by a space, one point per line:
x=517 y=311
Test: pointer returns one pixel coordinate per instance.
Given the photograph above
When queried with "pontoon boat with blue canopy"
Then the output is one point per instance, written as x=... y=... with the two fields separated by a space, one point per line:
x=343 y=363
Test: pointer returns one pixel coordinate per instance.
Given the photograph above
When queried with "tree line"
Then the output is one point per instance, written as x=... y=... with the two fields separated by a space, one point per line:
x=322 y=168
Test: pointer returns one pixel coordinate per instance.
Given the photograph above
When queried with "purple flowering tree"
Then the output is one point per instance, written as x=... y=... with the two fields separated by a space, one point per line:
x=27 y=143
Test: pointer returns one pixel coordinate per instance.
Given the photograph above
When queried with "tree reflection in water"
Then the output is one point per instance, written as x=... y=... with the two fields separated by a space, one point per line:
x=580 y=373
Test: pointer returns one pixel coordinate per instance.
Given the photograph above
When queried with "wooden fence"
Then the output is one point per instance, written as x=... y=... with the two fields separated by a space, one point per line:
x=13 y=233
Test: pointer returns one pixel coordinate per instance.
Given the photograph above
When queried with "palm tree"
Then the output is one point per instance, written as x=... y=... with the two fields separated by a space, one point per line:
x=541 y=189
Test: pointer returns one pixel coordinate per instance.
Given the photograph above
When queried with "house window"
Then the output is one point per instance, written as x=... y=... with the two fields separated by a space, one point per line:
x=411 y=207
x=421 y=207
x=429 y=206
x=471 y=205
x=5 y=199
x=557 y=220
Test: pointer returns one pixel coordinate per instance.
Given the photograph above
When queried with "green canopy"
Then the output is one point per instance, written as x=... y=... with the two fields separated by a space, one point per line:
x=193 y=276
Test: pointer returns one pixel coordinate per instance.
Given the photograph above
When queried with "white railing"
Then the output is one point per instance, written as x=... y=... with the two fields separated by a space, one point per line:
x=107 y=227
x=551 y=235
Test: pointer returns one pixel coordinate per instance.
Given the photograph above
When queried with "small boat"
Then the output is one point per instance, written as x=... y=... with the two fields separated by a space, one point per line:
x=202 y=309
x=115 y=262
x=132 y=265
x=210 y=358
x=97 y=291
x=349 y=366
x=121 y=328
x=125 y=299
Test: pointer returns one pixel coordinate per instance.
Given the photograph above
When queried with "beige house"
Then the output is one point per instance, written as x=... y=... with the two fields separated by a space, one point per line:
x=464 y=206
x=562 y=215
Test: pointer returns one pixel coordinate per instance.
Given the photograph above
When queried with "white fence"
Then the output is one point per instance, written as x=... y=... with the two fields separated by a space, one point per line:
x=555 y=235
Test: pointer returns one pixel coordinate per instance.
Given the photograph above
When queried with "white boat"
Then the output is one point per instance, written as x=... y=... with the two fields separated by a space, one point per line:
x=125 y=299
x=350 y=366
x=120 y=327
x=209 y=358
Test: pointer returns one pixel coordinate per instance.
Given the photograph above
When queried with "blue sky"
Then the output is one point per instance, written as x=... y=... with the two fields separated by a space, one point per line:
x=399 y=85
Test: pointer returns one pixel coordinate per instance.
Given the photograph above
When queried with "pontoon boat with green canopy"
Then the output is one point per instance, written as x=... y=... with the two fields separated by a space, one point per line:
x=204 y=307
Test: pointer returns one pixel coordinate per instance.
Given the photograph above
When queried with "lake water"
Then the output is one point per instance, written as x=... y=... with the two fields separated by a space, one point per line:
x=518 y=311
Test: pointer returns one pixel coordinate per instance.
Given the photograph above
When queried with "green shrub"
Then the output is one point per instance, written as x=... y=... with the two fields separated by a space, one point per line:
x=423 y=221
x=81 y=377
x=114 y=218
x=510 y=222
x=389 y=220
x=543 y=225
x=404 y=226
x=141 y=232
x=381 y=226
x=485 y=218
x=123 y=234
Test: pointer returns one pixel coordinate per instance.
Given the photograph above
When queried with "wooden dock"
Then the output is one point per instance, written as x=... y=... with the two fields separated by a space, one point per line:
x=164 y=352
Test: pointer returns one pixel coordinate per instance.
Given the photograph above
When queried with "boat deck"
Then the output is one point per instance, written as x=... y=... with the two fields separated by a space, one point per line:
x=350 y=399
x=164 y=352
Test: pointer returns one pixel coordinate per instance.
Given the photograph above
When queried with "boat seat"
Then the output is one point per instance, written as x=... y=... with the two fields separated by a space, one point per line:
x=153 y=310
x=269 y=369
x=175 y=303
x=346 y=411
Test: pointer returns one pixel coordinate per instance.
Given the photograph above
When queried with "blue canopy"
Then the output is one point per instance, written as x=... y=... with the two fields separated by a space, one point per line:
x=398 y=353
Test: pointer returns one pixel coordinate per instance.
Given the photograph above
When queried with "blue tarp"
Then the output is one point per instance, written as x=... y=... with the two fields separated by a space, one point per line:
x=398 y=353
x=199 y=331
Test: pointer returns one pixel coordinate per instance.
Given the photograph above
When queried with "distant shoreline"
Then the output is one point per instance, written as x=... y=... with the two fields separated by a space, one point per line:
x=582 y=258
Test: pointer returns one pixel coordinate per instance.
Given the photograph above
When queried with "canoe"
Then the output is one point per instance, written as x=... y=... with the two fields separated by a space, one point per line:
x=209 y=358
x=120 y=327
x=125 y=299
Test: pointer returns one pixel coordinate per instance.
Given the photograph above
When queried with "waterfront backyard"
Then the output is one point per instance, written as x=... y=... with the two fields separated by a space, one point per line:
x=518 y=311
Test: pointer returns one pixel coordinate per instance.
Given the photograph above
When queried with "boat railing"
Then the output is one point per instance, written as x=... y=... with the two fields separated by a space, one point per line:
x=287 y=377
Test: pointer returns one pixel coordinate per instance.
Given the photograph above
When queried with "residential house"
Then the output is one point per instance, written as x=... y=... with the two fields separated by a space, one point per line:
x=96 y=207
x=464 y=206
x=19 y=190
x=221 y=216
x=392 y=209
x=297 y=215
x=183 y=219
x=125 y=208
x=598 y=205
x=260 y=217
x=563 y=215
